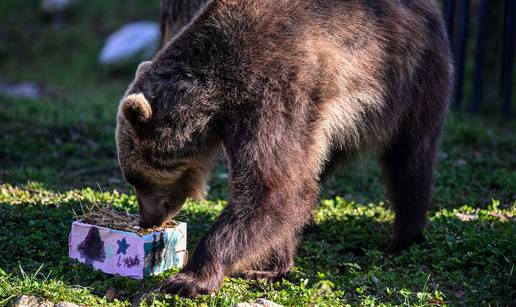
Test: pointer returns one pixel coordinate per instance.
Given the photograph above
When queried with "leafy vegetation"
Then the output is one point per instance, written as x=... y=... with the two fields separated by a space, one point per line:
x=57 y=155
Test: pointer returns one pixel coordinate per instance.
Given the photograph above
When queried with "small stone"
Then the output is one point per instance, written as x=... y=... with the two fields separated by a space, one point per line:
x=56 y=6
x=24 y=90
x=110 y=294
x=266 y=303
x=66 y=304
x=25 y=300
x=31 y=301
x=134 y=42
x=461 y=162
x=503 y=217
x=261 y=302
x=465 y=217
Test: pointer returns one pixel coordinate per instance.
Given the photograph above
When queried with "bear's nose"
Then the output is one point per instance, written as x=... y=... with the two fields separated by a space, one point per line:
x=145 y=225
x=149 y=223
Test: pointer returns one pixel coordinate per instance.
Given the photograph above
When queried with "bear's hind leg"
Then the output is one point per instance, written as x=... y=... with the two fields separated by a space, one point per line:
x=408 y=167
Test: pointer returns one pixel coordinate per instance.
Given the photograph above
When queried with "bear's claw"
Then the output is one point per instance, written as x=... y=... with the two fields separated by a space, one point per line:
x=188 y=285
x=397 y=245
x=268 y=277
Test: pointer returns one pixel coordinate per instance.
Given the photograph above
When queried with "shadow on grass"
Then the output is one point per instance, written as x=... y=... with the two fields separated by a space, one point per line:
x=60 y=157
x=344 y=247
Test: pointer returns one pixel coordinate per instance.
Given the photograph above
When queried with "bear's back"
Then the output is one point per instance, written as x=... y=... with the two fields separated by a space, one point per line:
x=336 y=61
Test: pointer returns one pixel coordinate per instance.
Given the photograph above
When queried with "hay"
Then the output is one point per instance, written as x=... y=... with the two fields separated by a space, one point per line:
x=106 y=216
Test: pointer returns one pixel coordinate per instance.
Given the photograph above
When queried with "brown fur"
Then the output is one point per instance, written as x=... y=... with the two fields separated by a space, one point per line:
x=286 y=87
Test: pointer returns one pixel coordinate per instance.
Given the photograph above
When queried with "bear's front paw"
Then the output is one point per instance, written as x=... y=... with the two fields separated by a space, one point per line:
x=189 y=285
x=401 y=243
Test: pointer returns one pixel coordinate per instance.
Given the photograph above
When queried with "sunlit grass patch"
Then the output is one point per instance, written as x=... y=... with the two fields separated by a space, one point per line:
x=469 y=256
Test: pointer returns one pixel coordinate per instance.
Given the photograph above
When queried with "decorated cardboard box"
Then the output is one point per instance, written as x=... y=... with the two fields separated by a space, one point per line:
x=128 y=253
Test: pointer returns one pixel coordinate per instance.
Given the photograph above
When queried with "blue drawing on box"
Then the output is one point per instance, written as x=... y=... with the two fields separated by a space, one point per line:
x=169 y=256
x=161 y=253
x=153 y=251
x=173 y=258
x=122 y=246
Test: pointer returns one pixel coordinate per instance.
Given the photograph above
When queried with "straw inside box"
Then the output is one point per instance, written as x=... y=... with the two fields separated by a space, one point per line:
x=106 y=216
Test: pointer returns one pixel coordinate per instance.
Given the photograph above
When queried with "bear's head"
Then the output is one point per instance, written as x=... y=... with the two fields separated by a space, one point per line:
x=165 y=145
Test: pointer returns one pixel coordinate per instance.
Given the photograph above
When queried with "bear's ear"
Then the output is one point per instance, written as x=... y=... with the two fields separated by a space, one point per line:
x=143 y=67
x=137 y=111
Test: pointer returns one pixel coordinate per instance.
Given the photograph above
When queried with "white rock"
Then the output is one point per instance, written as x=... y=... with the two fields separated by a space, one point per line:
x=134 y=42
x=56 y=6
x=66 y=304
x=27 y=90
x=31 y=301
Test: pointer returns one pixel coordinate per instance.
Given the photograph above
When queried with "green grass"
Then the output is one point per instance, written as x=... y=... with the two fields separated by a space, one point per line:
x=57 y=155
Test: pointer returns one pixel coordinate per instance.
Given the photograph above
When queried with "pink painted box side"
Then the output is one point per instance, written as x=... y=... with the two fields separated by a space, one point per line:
x=111 y=251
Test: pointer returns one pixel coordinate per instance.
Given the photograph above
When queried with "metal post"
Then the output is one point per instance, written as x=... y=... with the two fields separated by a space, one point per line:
x=479 y=56
x=449 y=14
x=460 y=54
x=508 y=55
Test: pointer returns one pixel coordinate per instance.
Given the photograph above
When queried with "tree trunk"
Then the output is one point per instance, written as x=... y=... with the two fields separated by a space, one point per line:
x=493 y=61
x=175 y=14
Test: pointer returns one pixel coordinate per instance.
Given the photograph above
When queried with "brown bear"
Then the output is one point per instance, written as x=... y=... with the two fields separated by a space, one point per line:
x=285 y=87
